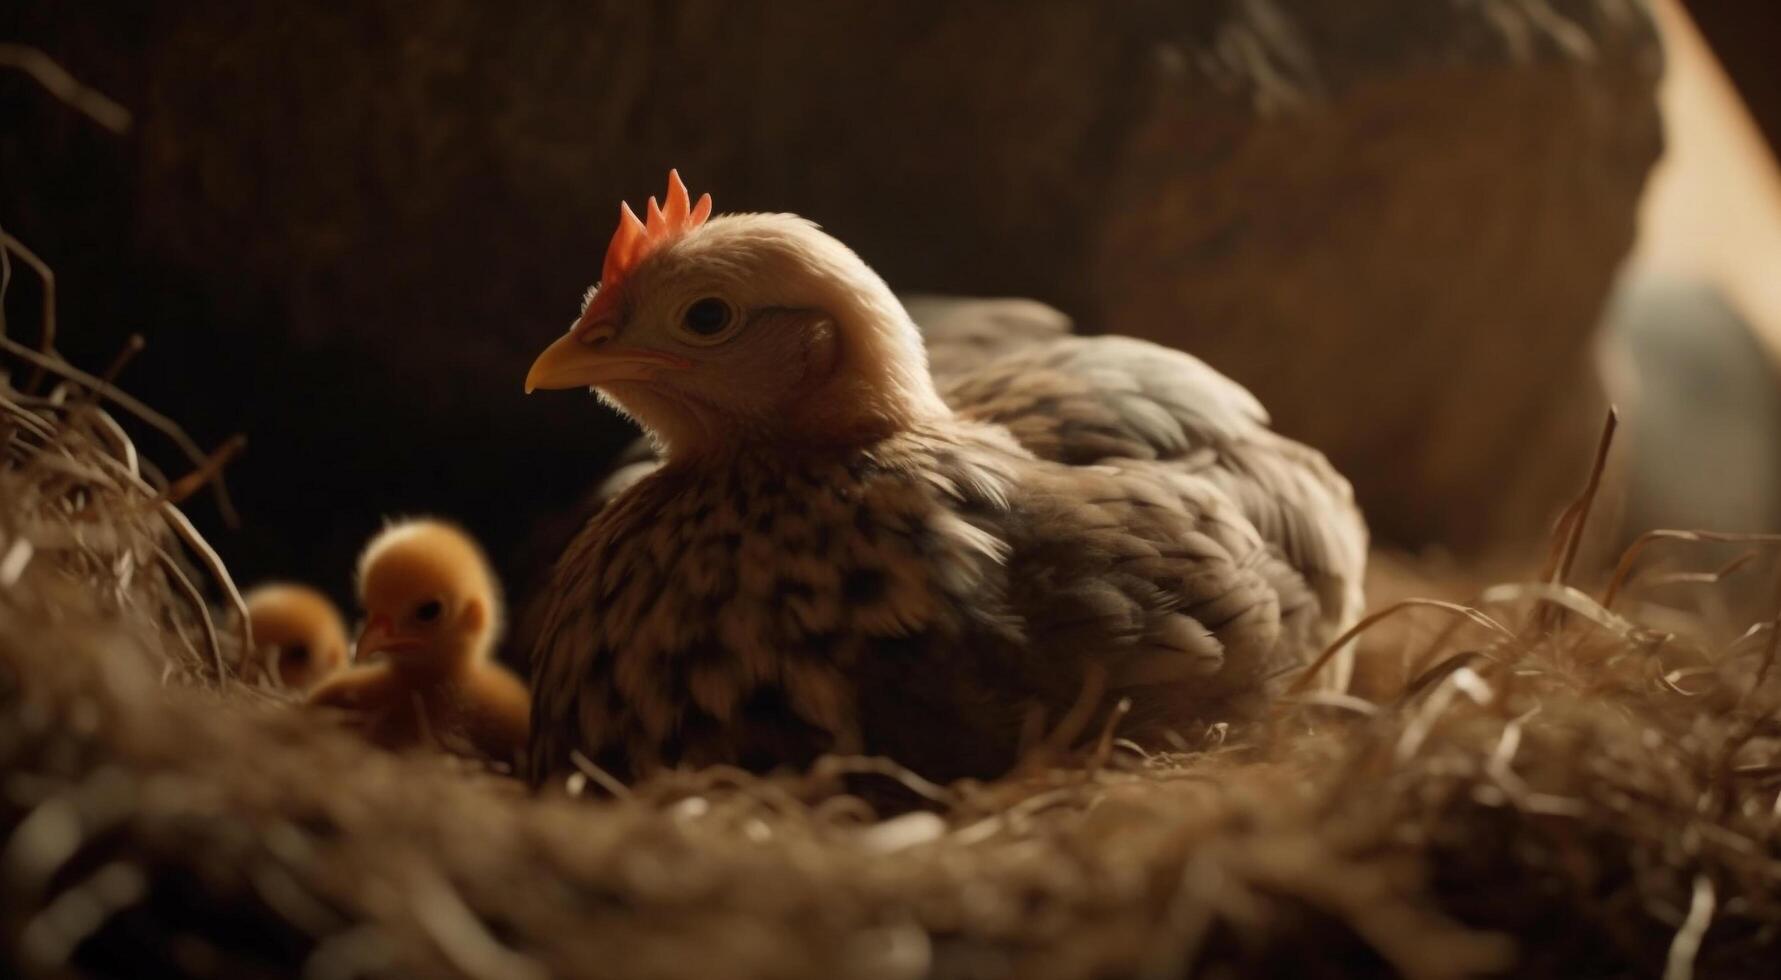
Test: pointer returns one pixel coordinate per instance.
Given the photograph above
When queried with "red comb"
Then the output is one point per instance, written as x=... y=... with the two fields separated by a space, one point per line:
x=634 y=239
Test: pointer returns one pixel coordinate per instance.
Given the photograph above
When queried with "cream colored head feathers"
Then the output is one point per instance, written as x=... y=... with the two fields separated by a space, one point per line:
x=742 y=330
x=431 y=600
x=298 y=631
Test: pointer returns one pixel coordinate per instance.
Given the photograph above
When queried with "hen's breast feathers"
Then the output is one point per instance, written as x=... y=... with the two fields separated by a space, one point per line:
x=715 y=616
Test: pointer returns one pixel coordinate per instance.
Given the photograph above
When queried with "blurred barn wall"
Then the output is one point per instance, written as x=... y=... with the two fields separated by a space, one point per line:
x=346 y=230
x=1695 y=322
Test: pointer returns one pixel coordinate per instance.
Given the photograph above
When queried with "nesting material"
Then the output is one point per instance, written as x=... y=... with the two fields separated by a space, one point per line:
x=1557 y=790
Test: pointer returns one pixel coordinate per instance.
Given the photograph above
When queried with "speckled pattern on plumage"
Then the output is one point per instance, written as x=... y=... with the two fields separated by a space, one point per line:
x=1139 y=430
x=913 y=598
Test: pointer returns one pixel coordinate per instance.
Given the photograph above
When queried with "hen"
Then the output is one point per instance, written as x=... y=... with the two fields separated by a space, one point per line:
x=845 y=553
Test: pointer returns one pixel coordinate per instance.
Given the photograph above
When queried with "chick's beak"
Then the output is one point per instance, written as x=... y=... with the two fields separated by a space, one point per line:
x=588 y=358
x=381 y=636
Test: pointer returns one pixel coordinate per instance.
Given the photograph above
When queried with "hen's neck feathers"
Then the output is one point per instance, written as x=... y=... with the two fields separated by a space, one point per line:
x=880 y=385
x=876 y=383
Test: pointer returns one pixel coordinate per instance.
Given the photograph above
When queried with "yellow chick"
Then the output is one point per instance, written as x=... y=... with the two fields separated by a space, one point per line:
x=433 y=611
x=298 y=635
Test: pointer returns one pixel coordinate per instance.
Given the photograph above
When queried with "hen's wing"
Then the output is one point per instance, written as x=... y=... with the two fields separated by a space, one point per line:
x=1093 y=400
x=1123 y=580
x=1085 y=400
x=1161 y=576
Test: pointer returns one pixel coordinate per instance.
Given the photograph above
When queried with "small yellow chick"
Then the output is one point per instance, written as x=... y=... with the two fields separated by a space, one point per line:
x=433 y=610
x=298 y=634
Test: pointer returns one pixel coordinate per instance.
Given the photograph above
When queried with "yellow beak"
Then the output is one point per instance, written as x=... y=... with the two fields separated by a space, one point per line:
x=572 y=362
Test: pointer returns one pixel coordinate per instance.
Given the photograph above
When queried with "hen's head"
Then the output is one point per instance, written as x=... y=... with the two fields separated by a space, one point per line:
x=431 y=600
x=743 y=329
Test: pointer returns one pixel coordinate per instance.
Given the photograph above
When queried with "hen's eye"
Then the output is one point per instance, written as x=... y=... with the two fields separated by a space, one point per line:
x=428 y=611
x=707 y=317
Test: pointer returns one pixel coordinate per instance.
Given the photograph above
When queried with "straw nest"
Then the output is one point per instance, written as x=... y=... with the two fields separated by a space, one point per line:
x=1551 y=789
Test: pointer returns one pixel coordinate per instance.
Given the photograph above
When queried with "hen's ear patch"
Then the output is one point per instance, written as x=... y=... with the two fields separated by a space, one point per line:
x=822 y=349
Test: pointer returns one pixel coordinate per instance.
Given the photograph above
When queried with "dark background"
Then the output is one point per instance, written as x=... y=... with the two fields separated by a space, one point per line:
x=346 y=230
x=1746 y=37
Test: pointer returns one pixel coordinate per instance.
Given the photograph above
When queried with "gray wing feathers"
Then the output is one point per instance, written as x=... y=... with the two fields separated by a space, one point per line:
x=1089 y=400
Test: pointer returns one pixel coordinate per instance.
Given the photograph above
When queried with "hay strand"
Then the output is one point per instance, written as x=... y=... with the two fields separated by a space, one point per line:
x=56 y=80
x=1309 y=673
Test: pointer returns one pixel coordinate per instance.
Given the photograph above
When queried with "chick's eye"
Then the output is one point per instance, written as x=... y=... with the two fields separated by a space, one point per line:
x=298 y=654
x=707 y=317
x=428 y=611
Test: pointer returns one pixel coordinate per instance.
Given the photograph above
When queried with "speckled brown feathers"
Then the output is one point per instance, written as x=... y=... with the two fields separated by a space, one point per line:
x=716 y=615
x=915 y=598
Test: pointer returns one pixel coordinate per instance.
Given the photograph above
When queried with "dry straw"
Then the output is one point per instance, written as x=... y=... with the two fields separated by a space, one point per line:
x=1547 y=795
